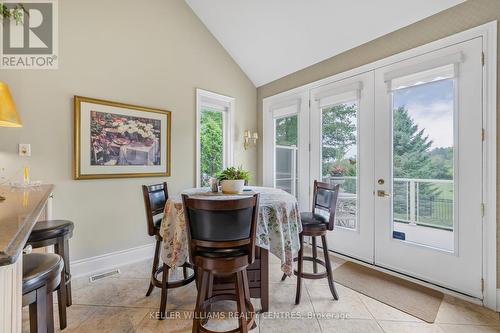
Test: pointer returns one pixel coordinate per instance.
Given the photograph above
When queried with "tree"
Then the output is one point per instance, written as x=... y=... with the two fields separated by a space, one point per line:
x=412 y=158
x=211 y=142
x=286 y=131
x=410 y=147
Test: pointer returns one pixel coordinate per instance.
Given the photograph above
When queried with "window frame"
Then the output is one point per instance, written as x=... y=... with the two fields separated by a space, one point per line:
x=225 y=105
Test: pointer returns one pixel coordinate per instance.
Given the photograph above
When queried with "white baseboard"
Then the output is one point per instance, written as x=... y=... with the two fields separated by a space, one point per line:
x=108 y=261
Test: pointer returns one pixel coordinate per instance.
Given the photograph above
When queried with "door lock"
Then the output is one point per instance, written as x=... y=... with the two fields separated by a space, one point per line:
x=381 y=193
x=381 y=181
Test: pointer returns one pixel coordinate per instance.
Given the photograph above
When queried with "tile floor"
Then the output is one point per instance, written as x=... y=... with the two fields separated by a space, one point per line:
x=118 y=304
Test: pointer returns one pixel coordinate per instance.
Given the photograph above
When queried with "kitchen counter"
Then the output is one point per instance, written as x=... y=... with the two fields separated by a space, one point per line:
x=18 y=214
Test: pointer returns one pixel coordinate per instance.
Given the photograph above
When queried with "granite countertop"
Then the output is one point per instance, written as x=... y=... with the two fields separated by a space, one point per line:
x=18 y=214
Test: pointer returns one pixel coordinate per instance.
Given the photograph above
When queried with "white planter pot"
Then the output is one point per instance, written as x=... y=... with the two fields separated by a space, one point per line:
x=232 y=186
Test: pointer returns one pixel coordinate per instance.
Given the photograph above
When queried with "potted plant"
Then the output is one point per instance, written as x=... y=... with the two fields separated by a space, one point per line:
x=336 y=174
x=232 y=180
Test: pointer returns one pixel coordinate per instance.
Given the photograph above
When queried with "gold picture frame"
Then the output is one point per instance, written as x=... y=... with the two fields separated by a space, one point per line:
x=152 y=140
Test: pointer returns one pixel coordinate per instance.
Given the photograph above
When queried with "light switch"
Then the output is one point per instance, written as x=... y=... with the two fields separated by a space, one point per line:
x=24 y=149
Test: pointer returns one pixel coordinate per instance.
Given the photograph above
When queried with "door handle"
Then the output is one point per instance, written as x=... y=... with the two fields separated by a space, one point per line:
x=381 y=193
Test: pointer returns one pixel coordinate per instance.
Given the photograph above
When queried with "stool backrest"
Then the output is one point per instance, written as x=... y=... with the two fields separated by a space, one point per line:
x=325 y=198
x=155 y=197
x=221 y=224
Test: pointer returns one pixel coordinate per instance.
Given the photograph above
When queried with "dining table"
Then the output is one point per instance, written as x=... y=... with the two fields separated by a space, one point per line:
x=278 y=229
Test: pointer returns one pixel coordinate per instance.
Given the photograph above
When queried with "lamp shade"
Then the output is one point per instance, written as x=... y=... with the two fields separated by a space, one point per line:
x=8 y=114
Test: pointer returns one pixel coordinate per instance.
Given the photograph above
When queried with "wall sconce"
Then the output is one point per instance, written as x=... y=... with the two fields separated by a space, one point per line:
x=249 y=139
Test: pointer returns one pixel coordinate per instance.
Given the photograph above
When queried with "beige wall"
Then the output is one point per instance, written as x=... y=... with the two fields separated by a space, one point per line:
x=123 y=51
x=459 y=18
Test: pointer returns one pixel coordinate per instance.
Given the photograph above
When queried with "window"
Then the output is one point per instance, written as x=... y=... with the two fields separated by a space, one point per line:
x=424 y=154
x=214 y=150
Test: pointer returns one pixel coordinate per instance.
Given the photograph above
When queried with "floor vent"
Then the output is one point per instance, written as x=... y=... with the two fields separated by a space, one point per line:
x=100 y=276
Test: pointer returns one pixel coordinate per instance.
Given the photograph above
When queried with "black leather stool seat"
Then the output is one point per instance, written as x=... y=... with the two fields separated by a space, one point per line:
x=41 y=268
x=51 y=229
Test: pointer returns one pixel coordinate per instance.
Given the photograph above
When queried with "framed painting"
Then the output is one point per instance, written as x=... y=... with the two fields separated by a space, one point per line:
x=116 y=140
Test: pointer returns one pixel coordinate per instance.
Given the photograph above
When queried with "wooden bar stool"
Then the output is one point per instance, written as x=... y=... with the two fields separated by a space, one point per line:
x=155 y=198
x=41 y=276
x=57 y=233
x=317 y=225
x=222 y=244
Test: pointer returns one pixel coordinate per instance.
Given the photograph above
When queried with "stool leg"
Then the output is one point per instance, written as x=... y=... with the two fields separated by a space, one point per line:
x=156 y=259
x=314 y=254
x=164 y=291
x=246 y=286
x=67 y=279
x=329 y=269
x=38 y=313
x=202 y=291
x=240 y=301
x=210 y=291
x=50 y=311
x=62 y=296
x=299 y=270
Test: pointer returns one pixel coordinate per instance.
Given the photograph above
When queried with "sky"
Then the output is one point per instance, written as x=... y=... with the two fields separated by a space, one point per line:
x=431 y=107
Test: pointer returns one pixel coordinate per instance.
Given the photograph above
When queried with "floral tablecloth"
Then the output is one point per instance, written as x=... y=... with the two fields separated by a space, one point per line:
x=278 y=226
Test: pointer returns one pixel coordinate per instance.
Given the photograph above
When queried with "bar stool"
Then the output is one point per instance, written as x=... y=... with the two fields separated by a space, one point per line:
x=222 y=243
x=155 y=198
x=317 y=225
x=57 y=233
x=41 y=276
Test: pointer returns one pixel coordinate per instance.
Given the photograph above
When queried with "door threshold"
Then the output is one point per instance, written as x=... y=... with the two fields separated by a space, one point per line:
x=444 y=290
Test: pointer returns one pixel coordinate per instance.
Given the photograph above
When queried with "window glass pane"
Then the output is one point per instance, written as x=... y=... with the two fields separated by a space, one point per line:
x=423 y=158
x=339 y=158
x=211 y=144
x=286 y=141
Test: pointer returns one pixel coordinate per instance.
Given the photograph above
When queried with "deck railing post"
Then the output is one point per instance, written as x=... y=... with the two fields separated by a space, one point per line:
x=413 y=208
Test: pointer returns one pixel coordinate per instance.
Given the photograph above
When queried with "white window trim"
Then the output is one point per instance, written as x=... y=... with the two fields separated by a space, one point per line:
x=227 y=130
x=488 y=31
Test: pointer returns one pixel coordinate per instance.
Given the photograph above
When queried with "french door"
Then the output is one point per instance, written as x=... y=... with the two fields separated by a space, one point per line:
x=428 y=221
x=342 y=152
x=404 y=143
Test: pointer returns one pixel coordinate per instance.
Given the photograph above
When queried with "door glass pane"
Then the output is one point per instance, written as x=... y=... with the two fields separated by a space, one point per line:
x=423 y=159
x=211 y=144
x=286 y=141
x=339 y=153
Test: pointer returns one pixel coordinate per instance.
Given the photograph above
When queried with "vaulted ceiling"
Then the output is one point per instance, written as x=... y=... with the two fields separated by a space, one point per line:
x=270 y=39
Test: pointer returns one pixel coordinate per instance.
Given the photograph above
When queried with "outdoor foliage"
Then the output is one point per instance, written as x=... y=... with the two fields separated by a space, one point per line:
x=286 y=131
x=212 y=146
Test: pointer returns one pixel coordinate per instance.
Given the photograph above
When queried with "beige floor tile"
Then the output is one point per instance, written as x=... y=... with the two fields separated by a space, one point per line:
x=348 y=306
x=75 y=314
x=381 y=311
x=132 y=293
x=282 y=299
x=96 y=293
x=138 y=270
x=153 y=325
x=409 y=327
x=456 y=311
x=113 y=320
x=349 y=326
x=451 y=328
x=288 y=325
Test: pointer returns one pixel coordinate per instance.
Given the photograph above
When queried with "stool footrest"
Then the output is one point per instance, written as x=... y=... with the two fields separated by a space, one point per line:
x=157 y=283
x=313 y=276
x=227 y=297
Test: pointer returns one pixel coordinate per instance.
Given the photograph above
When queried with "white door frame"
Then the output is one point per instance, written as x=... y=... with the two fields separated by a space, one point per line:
x=489 y=33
